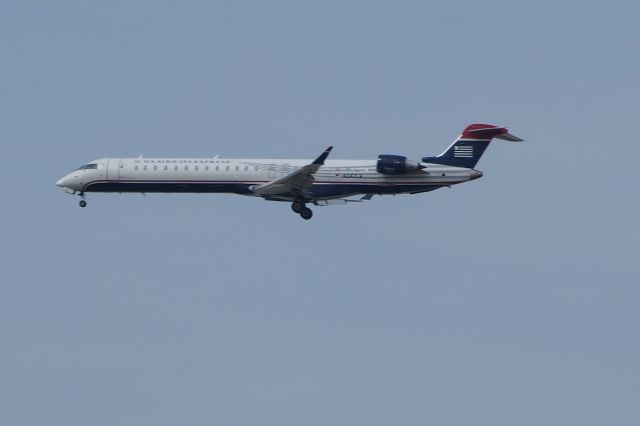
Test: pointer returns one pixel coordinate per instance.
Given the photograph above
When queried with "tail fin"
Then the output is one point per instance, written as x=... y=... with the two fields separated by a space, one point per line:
x=469 y=147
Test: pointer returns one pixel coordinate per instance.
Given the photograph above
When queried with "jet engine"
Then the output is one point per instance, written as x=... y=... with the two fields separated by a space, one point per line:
x=396 y=165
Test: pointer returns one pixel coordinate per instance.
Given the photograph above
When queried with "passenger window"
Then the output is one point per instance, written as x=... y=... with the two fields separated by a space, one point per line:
x=175 y=168
x=135 y=167
x=166 y=168
x=246 y=168
x=155 y=167
x=206 y=168
x=256 y=168
x=186 y=167
x=217 y=168
x=237 y=168
x=196 y=168
x=227 y=168
x=144 y=167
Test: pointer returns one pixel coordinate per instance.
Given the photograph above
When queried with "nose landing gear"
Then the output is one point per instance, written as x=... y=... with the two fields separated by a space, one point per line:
x=82 y=202
x=300 y=208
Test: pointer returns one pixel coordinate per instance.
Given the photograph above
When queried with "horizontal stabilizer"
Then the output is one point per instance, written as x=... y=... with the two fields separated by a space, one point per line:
x=509 y=137
x=489 y=131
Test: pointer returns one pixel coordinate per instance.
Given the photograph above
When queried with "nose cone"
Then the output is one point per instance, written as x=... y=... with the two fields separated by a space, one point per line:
x=475 y=174
x=67 y=184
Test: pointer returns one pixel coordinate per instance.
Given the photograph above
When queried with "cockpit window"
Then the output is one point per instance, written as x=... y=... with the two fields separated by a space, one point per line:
x=89 y=166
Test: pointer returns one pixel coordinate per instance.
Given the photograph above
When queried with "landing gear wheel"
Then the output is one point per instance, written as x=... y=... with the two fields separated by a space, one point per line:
x=306 y=213
x=297 y=206
x=83 y=203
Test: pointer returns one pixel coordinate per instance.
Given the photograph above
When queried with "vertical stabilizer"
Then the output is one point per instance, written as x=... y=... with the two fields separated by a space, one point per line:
x=469 y=147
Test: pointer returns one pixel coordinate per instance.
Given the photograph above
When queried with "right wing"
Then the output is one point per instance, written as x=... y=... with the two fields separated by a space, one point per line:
x=296 y=184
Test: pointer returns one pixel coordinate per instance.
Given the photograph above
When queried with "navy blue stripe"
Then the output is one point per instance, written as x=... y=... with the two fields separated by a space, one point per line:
x=181 y=187
x=318 y=190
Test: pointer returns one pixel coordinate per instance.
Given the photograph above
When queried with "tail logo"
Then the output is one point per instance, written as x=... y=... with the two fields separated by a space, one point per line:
x=462 y=151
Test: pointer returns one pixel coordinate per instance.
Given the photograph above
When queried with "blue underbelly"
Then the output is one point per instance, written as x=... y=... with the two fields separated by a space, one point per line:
x=320 y=190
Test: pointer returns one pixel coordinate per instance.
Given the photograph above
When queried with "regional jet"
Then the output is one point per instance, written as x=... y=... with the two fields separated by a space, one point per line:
x=319 y=182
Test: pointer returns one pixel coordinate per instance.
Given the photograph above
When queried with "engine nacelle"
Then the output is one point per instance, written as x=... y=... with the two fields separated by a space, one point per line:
x=396 y=165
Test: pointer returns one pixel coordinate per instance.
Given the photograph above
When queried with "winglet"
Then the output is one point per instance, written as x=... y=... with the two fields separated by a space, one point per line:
x=323 y=156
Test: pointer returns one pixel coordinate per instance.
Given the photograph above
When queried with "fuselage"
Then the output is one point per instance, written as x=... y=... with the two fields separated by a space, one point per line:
x=335 y=179
x=301 y=182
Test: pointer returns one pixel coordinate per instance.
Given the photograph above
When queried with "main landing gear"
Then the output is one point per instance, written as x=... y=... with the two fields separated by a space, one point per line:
x=301 y=208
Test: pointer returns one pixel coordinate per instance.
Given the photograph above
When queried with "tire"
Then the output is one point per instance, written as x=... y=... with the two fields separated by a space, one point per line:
x=82 y=203
x=297 y=206
x=306 y=213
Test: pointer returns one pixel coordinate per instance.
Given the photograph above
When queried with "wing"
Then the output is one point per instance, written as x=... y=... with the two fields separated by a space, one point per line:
x=296 y=184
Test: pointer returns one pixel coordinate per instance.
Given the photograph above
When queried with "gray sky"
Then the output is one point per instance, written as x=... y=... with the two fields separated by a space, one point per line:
x=510 y=300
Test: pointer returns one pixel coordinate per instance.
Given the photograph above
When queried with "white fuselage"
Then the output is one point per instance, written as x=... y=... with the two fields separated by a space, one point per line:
x=334 y=179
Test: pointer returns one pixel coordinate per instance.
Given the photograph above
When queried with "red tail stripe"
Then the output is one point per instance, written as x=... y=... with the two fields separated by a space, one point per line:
x=479 y=131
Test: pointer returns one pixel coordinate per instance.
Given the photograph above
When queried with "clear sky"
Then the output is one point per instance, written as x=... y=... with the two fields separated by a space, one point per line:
x=510 y=300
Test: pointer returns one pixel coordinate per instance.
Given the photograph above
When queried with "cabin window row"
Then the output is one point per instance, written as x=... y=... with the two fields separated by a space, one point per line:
x=195 y=168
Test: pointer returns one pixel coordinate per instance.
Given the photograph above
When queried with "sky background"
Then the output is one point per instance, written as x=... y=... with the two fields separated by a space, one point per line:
x=509 y=300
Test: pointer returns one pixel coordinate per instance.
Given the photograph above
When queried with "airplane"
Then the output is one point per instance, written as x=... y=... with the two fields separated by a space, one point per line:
x=319 y=182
